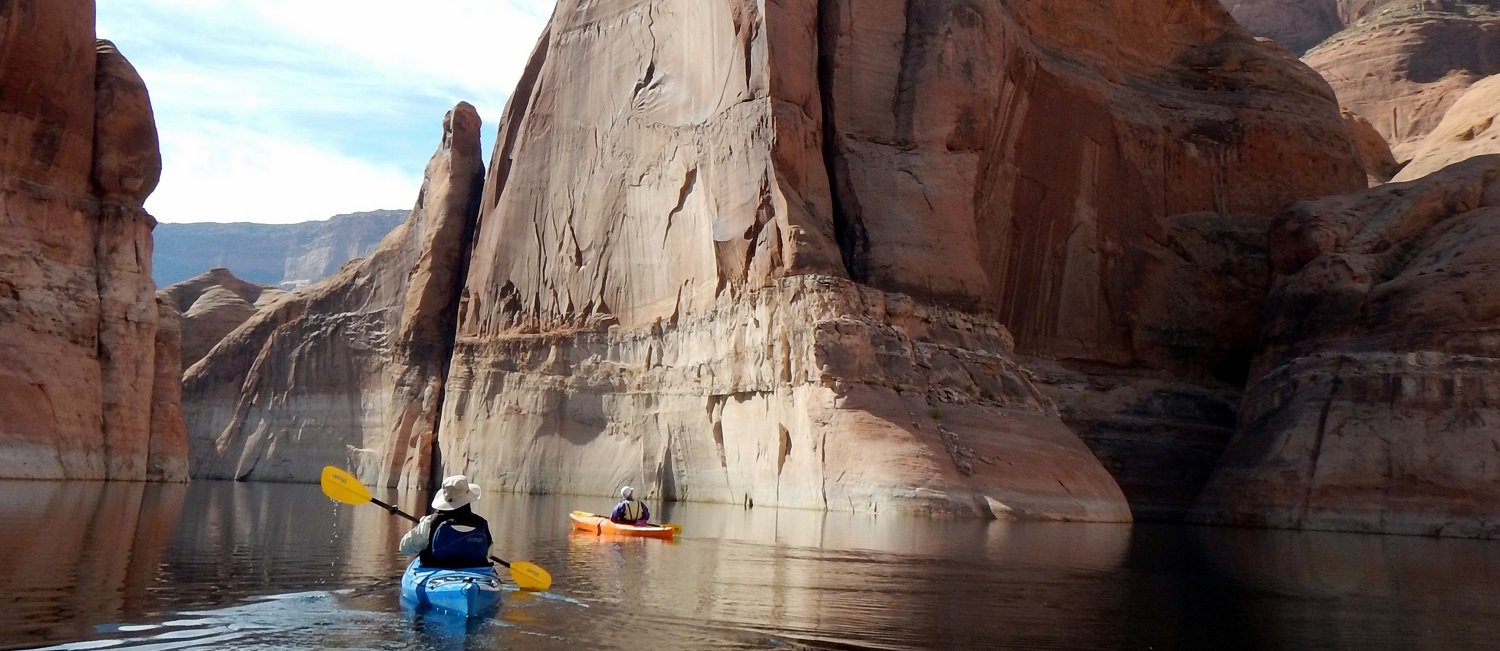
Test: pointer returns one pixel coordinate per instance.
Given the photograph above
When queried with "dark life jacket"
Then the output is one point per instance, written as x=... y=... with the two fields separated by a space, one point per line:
x=458 y=538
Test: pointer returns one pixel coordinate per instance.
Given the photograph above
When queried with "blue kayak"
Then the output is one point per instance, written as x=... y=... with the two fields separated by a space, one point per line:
x=468 y=591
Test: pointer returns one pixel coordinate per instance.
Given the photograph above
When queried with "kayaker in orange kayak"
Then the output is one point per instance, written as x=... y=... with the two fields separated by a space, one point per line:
x=630 y=510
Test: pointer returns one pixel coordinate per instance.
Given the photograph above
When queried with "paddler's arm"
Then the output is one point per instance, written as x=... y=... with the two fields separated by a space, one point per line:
x=416 y=540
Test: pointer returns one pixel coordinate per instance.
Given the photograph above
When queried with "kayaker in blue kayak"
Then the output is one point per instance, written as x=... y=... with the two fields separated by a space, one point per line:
x=630 y=510
x=454 y=535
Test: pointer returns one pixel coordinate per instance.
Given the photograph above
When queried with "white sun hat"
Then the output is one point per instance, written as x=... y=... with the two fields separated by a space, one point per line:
x=456 y=492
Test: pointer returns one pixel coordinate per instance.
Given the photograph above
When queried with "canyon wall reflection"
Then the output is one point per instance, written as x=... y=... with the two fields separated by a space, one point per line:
x=81 y=547
x=841 y=578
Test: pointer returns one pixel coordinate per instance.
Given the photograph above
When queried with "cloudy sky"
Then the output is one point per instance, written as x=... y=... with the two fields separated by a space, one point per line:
x=293 y=110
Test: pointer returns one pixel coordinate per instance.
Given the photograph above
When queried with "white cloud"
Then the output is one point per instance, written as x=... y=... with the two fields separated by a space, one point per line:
x=264 y=178
x=288 y=110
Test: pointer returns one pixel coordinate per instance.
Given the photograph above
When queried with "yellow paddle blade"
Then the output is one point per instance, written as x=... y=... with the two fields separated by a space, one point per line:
x=529 y=576
x=341 y=486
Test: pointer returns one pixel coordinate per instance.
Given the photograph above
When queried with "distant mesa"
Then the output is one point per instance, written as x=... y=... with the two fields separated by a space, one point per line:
x=287 y=256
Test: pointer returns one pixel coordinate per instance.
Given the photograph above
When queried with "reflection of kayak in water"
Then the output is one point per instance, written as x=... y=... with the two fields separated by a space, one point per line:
x=467 y=591
x=585 y=521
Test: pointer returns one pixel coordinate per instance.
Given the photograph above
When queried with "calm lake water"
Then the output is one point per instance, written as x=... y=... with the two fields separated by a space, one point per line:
x=278 y=566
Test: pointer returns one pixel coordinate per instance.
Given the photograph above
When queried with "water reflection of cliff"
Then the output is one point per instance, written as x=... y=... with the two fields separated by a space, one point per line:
x=85 y=552
x=762 y=575
x=81 y=547
x=232 y=526
x=1345 y=583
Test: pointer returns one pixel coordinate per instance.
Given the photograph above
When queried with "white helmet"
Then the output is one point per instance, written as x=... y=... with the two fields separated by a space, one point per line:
x=627 y=492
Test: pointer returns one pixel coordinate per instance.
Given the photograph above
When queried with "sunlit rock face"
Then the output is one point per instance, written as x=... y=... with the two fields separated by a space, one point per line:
x=686 y=259
x=350 y=371
x=1403 y=66
x=79 y=341
x=1469 y=128
x=1373 y=405
x=812 y=392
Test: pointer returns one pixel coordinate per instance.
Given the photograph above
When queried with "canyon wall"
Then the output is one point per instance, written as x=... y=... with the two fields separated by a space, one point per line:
x=348 y=372
x=1301 y=24
x=82 y=338
x=1404 y=65
x=1373 y=405
x=1468 y=129
x=1004 y=259
x=699 y=301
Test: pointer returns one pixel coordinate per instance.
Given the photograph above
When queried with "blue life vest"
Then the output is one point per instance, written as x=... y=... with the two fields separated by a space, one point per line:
x=455 y=543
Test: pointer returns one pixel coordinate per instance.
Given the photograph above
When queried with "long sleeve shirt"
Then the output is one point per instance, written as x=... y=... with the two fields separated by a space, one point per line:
x=416 y=540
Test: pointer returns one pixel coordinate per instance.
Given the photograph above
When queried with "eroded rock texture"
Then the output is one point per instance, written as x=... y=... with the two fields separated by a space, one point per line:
x=661 y=292
x=350 y=371
x=1373 y=405
x=211 y=306
x=1403 y=66
x=80 y=346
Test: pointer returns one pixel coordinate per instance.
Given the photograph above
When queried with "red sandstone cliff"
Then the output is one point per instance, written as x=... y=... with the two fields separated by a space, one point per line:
x=1003 y=260
x=82 y=338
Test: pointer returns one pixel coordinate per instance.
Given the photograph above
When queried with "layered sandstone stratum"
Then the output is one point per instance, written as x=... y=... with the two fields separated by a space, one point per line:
x=88 y=357
x=1375 y=402
x=1302 y=24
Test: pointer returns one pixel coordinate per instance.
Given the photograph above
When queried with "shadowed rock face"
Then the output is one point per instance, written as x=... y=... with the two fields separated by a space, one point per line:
x=1300 y=24
x=673 y=275
x=348 y=372
x=81 y=395
x=1373 y=406
x=1374 y=152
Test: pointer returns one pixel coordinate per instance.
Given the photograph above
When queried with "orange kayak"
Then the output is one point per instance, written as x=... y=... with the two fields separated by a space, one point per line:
x=585 y=521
